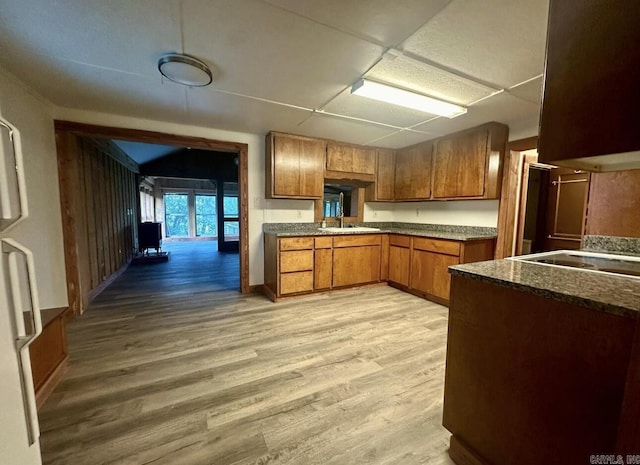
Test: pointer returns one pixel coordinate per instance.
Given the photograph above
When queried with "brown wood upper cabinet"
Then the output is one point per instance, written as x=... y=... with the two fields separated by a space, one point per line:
x=413 y=172
x=468 y=164
x=591 y=90
x=383 y=187
x=294 y=166
x=351 y=159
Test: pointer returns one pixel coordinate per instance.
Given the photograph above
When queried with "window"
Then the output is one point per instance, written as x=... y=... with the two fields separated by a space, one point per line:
x=206 y=215
x=176 y=215
x=147 y=205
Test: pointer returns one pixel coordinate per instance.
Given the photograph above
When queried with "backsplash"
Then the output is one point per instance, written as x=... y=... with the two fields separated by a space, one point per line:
x=630 y=245
x=481 y=230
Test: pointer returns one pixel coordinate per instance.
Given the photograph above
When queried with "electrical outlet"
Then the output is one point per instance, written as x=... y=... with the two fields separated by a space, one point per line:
x=299 y=214
x=375 y=214
x=417 y=212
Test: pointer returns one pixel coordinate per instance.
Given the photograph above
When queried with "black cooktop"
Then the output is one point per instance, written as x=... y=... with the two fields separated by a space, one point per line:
x=620 y=265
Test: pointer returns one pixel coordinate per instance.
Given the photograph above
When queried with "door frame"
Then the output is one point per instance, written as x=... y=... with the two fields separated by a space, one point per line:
x=153 y=137
x=510 y=199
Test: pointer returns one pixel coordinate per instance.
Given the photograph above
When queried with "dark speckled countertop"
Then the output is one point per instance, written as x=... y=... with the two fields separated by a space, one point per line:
x=451 y=232
x=617 y=295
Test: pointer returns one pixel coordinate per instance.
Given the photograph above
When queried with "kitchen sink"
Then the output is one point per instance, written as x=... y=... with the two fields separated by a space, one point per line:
x=349 y=229
x=588 y=261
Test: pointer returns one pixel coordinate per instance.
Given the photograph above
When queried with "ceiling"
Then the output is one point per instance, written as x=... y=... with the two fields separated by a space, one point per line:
x=285 y=65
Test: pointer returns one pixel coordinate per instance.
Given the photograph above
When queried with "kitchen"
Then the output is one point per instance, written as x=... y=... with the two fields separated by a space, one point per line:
x=33 y=116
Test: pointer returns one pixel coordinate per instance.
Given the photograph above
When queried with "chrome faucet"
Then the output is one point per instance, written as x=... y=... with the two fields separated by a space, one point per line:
x=341 y=209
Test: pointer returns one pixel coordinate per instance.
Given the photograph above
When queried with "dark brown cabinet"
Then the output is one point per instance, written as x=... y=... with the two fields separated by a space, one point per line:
x=413 y=172
x=294 y=166
x=591 y=91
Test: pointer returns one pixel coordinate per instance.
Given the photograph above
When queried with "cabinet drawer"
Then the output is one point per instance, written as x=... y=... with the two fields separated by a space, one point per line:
x=324 y=242
x=296 y=243
x=296 y=260
x=355 y=241
x=400 y=241
x=292 y=283
x=437 y=245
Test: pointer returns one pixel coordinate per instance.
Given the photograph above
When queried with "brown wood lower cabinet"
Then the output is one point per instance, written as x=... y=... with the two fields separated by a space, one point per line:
x=421 y=265
x=301 y=265
x=356 y=265
x=430 y=273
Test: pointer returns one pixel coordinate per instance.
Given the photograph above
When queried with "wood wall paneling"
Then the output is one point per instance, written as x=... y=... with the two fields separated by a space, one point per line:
x=614 y=204
x=95 y=202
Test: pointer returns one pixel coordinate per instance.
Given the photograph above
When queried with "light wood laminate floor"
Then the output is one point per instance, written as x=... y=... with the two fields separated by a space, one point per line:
x=167 y=372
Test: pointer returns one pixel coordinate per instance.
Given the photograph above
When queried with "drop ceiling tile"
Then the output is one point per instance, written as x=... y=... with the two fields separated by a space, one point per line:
x=341 y=129
x=498 y=41
x=223 y=111
x=383 y=21
x=531 y=91
x=264 y=51
x=503 y=108
x=357 y=106
x=401 y=139
x=408 y=73
x=85 y=87
x=118 y=34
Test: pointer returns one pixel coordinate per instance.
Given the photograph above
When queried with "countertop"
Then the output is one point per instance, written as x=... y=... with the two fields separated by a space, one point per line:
x=455 y=233
x=617 y=295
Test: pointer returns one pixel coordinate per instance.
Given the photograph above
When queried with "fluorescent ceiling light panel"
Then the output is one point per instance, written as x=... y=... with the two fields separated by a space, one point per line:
x=405 y=98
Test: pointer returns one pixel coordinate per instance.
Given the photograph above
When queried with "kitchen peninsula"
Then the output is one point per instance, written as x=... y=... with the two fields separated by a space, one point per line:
x=538 y=361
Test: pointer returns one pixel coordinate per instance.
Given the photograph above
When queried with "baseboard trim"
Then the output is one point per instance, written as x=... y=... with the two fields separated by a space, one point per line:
x=104 y=284
x=256 y=289
x=43 y=393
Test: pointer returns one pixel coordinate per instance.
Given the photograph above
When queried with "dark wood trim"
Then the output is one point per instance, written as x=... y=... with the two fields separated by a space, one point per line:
x=521 y=145
x=80 y=129
x=256 y=289
x=104 y=284
x=151 y=137
x=67 y=175
x=44 y=391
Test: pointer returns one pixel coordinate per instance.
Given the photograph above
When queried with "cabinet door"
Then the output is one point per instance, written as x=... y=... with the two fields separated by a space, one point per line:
x=385 y=175
x=311 y=173
x=297 y=167
x=399 y=265
x=356 y=265
x=429 y=273
x=349 y=159
x=591 y=91
x=413 y=173
x=460 y=164
x=323 y=272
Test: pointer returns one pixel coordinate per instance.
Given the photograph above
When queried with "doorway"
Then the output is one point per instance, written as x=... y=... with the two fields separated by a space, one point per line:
x=542 y=207
x=234 y=220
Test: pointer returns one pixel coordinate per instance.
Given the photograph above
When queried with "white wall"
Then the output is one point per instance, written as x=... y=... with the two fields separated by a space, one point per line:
x=42 y=230
x=456 y=212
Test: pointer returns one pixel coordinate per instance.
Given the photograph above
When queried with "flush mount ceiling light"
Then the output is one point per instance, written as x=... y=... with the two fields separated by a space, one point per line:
x=185 y=70
x=405 y=98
